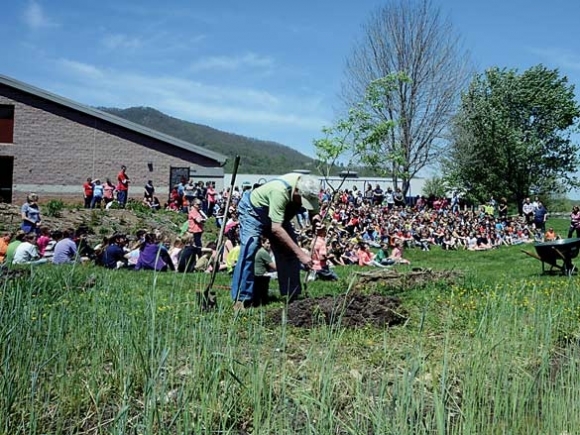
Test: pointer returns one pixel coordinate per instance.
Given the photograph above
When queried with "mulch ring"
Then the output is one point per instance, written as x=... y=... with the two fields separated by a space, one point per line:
x=350 y=310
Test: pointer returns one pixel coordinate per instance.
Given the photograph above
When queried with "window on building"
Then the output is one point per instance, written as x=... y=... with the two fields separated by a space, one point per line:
x=6 y=123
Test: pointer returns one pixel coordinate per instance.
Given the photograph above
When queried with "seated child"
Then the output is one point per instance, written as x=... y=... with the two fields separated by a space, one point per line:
x=366 y=257
x=320 y=257
x=383 y=257
x=43 y=240
x=232 y=258
x=187 y=255
x=174 y=252
x=55 y=236
x=264 y=264
x=550 y=235
x=349 y=255
x=397 y=255
x=208 y=258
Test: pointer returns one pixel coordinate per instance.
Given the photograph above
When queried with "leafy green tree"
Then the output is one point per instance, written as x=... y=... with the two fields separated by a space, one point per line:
x=512 y=135
x=358 y=138
x=435 y=186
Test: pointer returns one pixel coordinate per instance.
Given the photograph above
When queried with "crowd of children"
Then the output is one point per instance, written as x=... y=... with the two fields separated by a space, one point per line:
x=364 y=229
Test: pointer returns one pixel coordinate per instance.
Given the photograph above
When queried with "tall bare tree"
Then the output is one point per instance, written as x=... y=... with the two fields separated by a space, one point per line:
x=410 y=37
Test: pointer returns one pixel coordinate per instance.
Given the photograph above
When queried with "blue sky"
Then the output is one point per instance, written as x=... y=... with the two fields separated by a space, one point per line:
x=265 y=69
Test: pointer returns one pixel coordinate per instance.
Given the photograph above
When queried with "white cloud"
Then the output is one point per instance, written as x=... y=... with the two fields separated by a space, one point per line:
x=562 y=58
x=232 y=63
x=80 y=70
x=192 y=100
x=35 y=17
x=217 y=112
x=120 y=41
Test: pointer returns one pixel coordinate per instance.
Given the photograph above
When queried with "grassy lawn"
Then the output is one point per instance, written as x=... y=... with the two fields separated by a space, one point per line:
x=86 y=350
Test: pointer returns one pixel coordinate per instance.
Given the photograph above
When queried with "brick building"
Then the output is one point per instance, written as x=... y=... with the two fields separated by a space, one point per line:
x=50 y=145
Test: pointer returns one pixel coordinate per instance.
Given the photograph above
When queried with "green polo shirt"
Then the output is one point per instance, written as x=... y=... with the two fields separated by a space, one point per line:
x=275 y=195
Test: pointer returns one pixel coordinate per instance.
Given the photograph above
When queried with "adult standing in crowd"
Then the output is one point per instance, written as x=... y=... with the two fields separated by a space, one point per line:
x=108 y=191
x=540 y=217
x=30 y=213
x=503 y=209
x=378 y=195
x=211 y=198
x=88 y=192
x=98 y=193
x=528 y=210
x=196 y=219
x=149 y=189
x=390 y=198
x=122 y=186
x=268 y=211
x=454 y=202
x=189 y=193
x=399 y=198
x=574 y=222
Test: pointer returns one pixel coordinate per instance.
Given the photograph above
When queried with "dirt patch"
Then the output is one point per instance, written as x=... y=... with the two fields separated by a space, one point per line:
x=359 y=308
x=351 y=311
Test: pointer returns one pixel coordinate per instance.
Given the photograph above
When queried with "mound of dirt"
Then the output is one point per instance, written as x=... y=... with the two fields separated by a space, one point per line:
x=351 y=311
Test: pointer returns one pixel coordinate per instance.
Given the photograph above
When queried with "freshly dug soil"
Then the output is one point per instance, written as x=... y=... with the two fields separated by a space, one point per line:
x=351 y=311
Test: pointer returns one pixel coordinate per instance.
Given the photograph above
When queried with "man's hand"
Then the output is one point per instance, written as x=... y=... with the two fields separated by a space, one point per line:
x=306 y=261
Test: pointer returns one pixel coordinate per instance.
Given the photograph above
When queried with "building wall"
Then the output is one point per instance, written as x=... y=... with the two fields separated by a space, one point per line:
x=56 y=148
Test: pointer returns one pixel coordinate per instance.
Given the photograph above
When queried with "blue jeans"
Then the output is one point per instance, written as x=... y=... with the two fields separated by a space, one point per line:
x=29 y=227
x=96 y=201
x=254 y=222
x=303 y=219
x=122 y=197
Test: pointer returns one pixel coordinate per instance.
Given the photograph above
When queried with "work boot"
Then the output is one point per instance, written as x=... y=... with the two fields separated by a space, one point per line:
x=242 y=305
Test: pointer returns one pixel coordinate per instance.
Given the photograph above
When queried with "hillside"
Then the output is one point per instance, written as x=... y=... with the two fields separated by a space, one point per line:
x=258 y=156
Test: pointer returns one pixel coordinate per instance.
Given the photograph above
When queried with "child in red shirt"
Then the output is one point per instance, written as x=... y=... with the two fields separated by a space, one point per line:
x=320 y=257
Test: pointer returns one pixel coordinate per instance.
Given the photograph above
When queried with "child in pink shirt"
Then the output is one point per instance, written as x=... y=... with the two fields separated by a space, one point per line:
x=43 y=239
x=320 y=257
x=366 y=257
x=397 y=254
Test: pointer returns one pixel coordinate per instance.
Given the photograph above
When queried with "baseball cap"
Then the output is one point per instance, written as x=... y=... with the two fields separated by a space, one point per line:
x=308 y=189
x=310 y=202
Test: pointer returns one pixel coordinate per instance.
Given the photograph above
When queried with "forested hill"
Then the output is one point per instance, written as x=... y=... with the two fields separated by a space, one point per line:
x=258 y=156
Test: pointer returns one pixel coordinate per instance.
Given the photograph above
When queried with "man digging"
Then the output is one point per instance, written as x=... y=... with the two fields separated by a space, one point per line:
x=268 y=211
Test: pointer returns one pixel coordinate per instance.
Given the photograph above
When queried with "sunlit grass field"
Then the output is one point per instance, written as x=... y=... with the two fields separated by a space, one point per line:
x=90 y=351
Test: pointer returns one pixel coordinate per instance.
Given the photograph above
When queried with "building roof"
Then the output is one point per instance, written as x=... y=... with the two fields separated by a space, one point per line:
x=40 y=93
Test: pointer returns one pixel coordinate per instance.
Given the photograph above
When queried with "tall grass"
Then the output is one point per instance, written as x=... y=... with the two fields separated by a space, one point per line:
x=86 y=350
